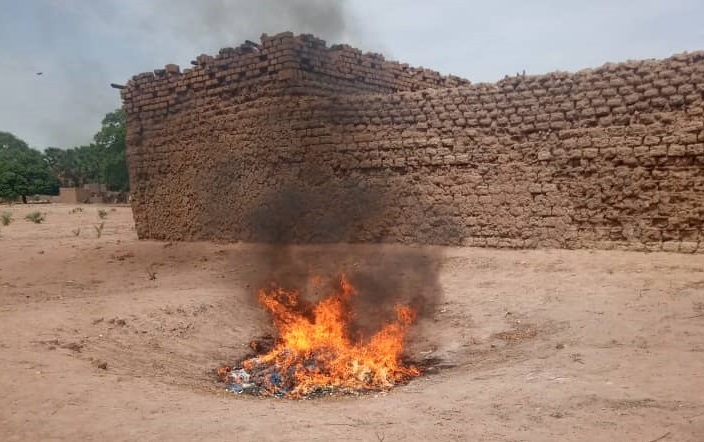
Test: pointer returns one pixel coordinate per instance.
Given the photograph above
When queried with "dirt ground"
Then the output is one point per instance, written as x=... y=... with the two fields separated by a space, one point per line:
x=111 y=338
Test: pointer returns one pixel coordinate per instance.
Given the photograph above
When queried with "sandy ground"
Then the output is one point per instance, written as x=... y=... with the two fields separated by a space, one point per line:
x=535 y=345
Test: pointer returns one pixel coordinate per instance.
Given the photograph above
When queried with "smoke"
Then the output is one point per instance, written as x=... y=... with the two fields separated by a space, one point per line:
x=226 y=22
x=82 y=46
x=310 y=202
x=385 y=275
x=176 y=29
x=317 y=220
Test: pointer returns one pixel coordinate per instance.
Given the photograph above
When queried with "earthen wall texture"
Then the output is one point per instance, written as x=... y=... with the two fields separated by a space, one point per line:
x=332 y=145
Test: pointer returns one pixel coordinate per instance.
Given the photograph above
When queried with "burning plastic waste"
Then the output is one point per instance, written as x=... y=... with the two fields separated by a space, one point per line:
x=315 y=352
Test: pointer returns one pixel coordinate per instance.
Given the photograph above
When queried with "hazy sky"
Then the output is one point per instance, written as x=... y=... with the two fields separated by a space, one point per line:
x=81 y=46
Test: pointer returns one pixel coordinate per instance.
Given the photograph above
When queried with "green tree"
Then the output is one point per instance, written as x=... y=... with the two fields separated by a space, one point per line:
x=89 y=161
x=113 y=132
x=9 y=141
x=111 y=141
x=62 y=163
x=103 y=161
x=23 y=171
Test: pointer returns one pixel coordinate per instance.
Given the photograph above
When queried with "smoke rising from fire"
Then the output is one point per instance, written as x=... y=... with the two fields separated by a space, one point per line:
x=309 y=201
x=333 y=215
x=319 y=219
x=64 y=106
x=226 y=22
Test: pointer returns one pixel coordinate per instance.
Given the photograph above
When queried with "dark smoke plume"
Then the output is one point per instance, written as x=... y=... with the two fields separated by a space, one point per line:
x=308 y=202
x=227 y=22
x=320 y=221
x=315 y=231
x=71 y=97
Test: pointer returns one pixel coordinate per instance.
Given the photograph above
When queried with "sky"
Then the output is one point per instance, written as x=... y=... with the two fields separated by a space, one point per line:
x=81 y=46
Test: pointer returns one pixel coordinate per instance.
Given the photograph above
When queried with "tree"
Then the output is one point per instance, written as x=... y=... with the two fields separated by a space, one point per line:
x=117 y=176
x=111 y=140
x=113 y=133
x=9 y=141
x=103 y=161
x=23 y=171
x=62 y=163
x=89 y=161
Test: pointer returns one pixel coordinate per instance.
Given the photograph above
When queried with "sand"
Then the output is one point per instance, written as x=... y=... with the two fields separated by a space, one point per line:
x=114 y=339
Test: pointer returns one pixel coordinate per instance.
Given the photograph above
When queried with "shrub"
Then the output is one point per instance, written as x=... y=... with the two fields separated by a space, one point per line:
x=99 y=229
x=102 y=214
x=6 y=218
x=35 y=217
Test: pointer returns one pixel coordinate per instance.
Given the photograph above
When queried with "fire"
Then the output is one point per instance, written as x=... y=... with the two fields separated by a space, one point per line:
x=315 y=348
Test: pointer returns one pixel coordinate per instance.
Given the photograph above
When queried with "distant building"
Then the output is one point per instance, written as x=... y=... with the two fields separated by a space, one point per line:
x=90 y=193
x=73 y=195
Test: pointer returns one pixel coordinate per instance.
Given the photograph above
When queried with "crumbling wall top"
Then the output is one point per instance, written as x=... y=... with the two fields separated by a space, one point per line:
x=281 y=64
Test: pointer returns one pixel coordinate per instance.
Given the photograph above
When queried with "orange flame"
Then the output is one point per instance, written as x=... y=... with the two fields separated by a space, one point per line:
x=316 y=346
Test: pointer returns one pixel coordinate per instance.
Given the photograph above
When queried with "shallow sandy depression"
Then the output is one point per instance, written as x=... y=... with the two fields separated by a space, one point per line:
x=111 y=338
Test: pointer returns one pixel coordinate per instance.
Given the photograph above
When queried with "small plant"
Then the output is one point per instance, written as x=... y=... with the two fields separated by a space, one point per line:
x=36 y=217
x=76 y=210
x=6 y=218
x=99 y=229
x=102 y=214
x=151 y=273
x=76 y=232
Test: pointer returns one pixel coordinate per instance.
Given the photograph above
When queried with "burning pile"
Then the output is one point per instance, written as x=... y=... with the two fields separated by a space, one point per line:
x=315 y=350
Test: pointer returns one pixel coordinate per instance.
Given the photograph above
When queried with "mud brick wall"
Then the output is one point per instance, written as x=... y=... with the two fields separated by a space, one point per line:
x=611 y=157
x=342 y=68
x=283 y=64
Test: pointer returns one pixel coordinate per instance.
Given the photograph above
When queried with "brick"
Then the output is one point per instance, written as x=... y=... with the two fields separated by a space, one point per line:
x=676 y=150
x=590 y=153
x=670 y=246
x=565 y=160
x=695 y=149
x=677 y=100
x=688 y=247
x=659 y=150
x=651 y=140
x=641 y=151
x=668 y=90
x=544 y=155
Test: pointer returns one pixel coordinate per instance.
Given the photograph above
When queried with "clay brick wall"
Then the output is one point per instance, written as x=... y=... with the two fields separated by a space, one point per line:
x=281 y=64
x=611 y=157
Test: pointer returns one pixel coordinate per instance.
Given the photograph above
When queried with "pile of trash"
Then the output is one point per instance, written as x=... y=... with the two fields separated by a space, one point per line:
x=313 y=353
x=262 y=381
x=273 y=380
